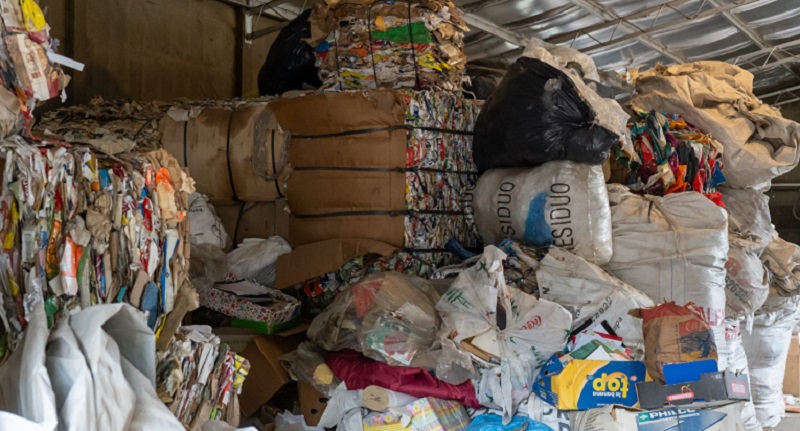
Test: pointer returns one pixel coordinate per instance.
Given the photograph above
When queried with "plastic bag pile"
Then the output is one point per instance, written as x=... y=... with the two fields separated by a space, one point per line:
x=363 y=44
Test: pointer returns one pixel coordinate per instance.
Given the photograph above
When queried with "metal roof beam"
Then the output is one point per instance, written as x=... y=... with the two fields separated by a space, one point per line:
x=756 y=39
x=602 y=12
x=642 y=13
x=492 y=28
x=669 y=25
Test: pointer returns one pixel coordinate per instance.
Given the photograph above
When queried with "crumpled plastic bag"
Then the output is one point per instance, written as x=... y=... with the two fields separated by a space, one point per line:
x=289 y=422
x=759 y=144
x=205 y=226
x=543 y=111
x=591 y=293
x=101 y=365
x=256 y=259
x=528 y=331
x=389 y=317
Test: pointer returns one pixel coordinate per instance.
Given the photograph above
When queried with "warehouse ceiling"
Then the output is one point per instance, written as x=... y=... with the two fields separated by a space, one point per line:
x=762 y=36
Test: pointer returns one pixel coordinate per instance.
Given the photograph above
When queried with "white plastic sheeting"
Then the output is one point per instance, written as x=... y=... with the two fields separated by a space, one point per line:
x=97 y=373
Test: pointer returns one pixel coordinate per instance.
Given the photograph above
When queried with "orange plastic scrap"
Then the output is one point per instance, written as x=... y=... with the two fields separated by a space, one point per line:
x=162 y=177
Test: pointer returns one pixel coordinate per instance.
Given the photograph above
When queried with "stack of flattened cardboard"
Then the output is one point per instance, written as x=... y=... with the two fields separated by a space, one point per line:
x=387 y=165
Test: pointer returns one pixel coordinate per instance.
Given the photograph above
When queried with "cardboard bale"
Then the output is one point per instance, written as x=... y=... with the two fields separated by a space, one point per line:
x=391 y=166
x=267 y=376
x=253 y=220
x=221 y=147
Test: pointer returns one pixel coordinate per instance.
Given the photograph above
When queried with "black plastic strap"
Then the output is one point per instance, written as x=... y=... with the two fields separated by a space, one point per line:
x=358 y=169
x=413 y=50
x=369 y=34
x=185 y=155
x=234 y=196
x=375 y=213
x=381 y=129
x=238 y=223
x=275 y=168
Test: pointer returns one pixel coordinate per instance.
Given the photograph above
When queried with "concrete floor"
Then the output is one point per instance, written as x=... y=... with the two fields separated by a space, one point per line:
x=790 y=423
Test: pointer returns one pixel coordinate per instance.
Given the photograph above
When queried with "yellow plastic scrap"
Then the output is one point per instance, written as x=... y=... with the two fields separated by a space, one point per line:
x=33 y=16
x=380 y=23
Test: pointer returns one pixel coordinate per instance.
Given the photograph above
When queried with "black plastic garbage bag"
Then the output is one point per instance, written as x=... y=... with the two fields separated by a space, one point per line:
x=537 y=115
x=485 y=75
x=290 y=61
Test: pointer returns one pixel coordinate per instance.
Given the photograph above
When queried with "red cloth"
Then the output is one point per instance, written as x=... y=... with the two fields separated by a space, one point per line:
x=357 y=372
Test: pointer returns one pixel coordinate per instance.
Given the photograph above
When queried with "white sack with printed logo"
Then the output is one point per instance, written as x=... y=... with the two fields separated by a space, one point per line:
x=672 y=248
x=560 y=203
x=746 y=281
x=533 y=330
x=759 y=144
x=588 y=292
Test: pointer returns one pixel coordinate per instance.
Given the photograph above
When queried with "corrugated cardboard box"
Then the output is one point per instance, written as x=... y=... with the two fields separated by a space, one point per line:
x=616 y=418
x=312 y=403
x=267 y=376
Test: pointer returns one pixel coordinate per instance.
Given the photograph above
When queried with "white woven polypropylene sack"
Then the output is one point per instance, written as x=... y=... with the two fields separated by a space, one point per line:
x=560 y=203
x=534 y=329
x=748 y=215
x=782 y=260
x=588 y=292
x=746 y=281
x=672 y=248
x=737 y=362
x=767 y=347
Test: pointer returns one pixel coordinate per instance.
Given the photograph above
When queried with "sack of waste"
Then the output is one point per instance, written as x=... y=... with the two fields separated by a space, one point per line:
x=561 y=203
x=672 y=248
x=290 y=61
x=590 y=293
x=746 y=281
x=759 y=144
x=673 y=334
x=510 y=333
x=544 y=110
x=782 y=260
x=767 y=347
x=389 y=317
x=748 y=215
